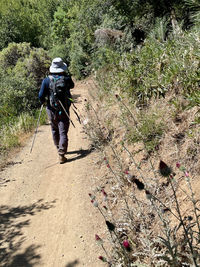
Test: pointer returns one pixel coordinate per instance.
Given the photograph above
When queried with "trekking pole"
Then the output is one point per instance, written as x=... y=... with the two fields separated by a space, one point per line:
x=72 y=101
x=75 y=111
x=66 y=113
x=77 y=116
x=37 y=126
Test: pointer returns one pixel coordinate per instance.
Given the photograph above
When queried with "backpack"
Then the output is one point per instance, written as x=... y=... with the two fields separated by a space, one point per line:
x=58 y=91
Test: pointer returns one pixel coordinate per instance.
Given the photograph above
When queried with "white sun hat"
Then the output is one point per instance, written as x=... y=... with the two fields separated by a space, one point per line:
x=58 y=65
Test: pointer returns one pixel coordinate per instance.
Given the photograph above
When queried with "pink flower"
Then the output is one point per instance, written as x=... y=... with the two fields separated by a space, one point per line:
x=178 y=165
x=104 y=193
x=126 y=172
x=98 y=240
x=97 y=237
x=187 y=174
x=126 y=245
x=108 y=165
x=95 y=203
x=102 y=258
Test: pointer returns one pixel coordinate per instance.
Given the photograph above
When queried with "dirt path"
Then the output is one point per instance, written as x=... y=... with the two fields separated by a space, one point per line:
x=46 y=218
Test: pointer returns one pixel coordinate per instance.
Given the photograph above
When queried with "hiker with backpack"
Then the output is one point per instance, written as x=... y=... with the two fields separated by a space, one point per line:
x=56 y=88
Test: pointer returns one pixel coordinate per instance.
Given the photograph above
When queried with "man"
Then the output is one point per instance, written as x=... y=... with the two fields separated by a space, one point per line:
x=58 y=107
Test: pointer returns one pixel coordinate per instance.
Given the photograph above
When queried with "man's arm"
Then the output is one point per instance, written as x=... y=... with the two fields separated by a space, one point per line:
x=43 y=90
x=70 y=83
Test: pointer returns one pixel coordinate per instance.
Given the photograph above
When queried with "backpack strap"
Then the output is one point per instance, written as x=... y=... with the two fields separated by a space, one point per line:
x=52 y=84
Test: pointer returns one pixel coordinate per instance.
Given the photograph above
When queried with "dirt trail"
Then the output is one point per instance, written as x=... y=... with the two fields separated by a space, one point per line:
x=46 y=218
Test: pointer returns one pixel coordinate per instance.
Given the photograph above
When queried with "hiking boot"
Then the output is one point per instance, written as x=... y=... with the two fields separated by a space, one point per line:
x=62 y=159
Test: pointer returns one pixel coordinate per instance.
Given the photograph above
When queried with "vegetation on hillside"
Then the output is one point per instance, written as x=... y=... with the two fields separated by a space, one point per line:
x=145 y=58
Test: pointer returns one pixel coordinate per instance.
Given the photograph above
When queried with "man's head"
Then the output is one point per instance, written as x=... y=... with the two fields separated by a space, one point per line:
x=58 y=66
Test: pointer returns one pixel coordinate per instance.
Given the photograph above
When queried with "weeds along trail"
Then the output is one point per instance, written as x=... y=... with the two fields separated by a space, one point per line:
x=149 y=194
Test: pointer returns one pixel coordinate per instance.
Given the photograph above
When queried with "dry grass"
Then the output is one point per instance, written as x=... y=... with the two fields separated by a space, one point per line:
x=137 y=218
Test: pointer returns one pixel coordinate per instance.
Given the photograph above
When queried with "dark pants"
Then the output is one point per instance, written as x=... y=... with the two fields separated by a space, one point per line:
x=59 y=127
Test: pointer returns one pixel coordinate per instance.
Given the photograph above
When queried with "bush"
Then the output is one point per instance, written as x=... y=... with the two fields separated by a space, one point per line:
x=148 y=131
x=23 y=69
x=14 y=52
x=156 y=68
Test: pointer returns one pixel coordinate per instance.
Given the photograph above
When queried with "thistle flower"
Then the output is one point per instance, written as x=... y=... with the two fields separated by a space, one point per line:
x=98 y=239
x=130 y=177
x=139 y=184
x=102 y=258
x=104 y=194
x=126 y=244
x=148 y=195
x=111 y=226
x=178 y=165
x=165 y=210
x=95 y=203
x=164 y=169
x=91 y=196
x=187 y=174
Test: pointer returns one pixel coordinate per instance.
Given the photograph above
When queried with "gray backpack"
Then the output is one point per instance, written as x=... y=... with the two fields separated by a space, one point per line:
x=58 y=91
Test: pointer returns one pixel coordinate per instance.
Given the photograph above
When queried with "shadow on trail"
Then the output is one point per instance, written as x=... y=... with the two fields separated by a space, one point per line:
x=81 y=154
x=4 y=182
x=72 y=264
x=8 y=164
x=12 y=222
x=28 y=258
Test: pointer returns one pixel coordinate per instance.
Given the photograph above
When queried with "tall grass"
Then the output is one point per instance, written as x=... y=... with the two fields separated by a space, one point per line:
x=13 y=130
x=156 y=68
x=141 y=203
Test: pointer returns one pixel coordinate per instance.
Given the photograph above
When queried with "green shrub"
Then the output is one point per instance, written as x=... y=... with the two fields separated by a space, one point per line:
x=149 y=130
x=156 y=68
x=60 y=50
x=14 y=52
x=23 y=69
x=78 y=57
